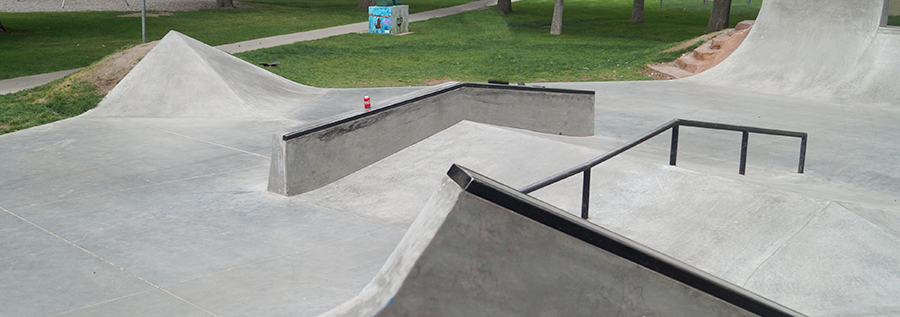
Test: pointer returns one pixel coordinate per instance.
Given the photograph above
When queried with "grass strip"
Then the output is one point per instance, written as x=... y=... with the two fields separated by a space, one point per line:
x=61 y=99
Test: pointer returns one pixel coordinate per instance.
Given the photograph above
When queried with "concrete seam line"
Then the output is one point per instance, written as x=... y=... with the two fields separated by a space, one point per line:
x=209 y=142
x=100 y=303
x=102 y=259
x=276 y=257
x=808 y=221
x=143 y=186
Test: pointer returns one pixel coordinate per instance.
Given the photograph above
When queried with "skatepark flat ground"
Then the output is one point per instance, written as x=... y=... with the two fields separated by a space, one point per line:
x=135 y=211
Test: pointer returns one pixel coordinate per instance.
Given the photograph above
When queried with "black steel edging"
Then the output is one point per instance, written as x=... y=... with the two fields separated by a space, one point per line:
x=360 y=115
x=545 y=214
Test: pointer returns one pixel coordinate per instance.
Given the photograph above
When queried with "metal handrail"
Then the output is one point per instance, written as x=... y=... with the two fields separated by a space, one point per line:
x=673 y=153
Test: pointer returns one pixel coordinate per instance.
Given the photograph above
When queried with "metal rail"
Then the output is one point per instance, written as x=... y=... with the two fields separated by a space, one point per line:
x=673 y=125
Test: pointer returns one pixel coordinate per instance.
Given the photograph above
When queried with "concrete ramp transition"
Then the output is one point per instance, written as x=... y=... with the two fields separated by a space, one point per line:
x=816 y=49
x=480 y=248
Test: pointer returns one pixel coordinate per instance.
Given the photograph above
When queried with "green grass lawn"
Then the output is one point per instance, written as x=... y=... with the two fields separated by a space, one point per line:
x=598 y=43
x=58 y=100
x=43 y=42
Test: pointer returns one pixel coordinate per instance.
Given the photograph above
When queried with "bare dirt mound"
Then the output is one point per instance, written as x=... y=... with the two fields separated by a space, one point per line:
x=107 y=73
x=716 y=48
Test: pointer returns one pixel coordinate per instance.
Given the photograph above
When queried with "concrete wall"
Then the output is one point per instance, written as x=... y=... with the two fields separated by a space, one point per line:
x=468 y=255
x=894 y=7
x=319 y=154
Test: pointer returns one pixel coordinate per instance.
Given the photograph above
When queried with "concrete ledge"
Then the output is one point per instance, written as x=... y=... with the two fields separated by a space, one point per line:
x=313 y=156
x=481 y=248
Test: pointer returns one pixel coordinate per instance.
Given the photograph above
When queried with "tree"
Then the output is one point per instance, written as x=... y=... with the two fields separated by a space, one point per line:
x=2 y=30
x=556 y=23
x=718 y=19
x=225 y=4
x=637 y=11
x=364 y=4
x=504 y=6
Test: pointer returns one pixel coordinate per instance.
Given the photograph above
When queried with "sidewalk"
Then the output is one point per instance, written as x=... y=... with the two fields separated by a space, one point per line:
x=12 y=85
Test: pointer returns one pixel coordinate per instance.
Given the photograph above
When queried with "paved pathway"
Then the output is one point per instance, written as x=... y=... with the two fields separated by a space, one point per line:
x=12 y=85
x=21 y=83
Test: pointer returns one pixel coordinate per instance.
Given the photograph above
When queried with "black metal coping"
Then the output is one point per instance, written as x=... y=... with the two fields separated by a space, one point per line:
x=634 y=252
x=353 y=116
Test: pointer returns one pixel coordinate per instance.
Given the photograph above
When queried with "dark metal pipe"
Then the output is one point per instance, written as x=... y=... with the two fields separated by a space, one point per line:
x=731 y=127
x=585 y=194
x=673 y=151
x=674 y=125
x=802 y=155
x=599 y=159
x=744 y=139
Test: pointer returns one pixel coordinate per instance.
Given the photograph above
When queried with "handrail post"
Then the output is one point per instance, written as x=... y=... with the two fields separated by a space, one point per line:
x=585 y=193
x=673 y=152
x=745 y=138
x=802 y=154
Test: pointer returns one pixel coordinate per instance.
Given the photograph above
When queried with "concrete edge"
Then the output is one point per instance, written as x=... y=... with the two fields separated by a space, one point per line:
x=315 y=155
x=541 y=212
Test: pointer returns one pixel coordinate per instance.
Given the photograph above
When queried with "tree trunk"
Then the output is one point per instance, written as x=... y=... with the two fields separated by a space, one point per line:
x=556 y=23
x=364 y=4
x=718 y=19
x=637 y=11
x=504 y=6
x=225 y=4
x=2 y=30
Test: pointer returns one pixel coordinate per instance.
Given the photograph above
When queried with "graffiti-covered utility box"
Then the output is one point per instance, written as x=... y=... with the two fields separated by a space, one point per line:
x=389 y=19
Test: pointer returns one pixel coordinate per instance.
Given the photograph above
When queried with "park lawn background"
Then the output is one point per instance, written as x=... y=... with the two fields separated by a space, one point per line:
x=43 y=42
x=598 y=43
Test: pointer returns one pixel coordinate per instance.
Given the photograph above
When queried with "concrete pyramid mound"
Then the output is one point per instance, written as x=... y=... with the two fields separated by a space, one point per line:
x=182 y=77
x=816 y=49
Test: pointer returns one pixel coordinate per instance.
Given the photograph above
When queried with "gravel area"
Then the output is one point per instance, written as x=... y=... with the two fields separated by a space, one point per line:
x=103 y=5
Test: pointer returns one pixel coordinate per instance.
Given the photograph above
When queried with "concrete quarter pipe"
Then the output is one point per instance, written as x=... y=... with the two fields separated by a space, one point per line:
x=817 y=49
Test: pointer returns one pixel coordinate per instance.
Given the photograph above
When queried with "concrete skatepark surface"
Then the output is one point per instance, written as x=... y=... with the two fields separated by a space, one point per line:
x=161 y=208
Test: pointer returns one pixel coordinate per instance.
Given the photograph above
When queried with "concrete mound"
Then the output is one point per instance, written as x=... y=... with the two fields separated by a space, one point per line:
x=816 y=49
x=479 y=248
x=182 y=77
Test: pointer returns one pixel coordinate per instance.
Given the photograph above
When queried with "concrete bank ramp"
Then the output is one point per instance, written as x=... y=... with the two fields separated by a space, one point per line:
x=480 y=248
x=816 y=49
x=184 y=78
x=818 y=256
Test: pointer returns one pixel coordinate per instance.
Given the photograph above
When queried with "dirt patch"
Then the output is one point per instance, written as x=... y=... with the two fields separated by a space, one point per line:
x=688 y=43
x=149 y=15
x=655 y=75
x=107 y=73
